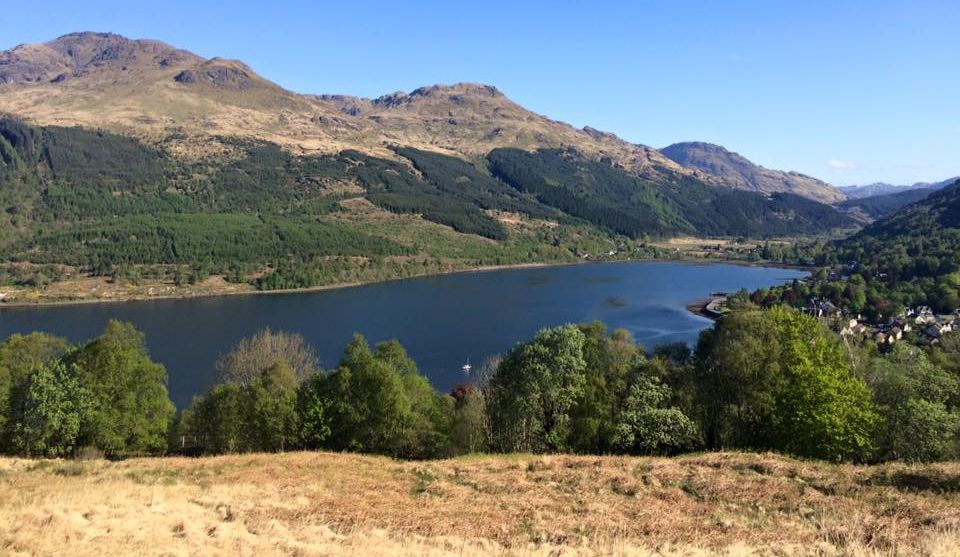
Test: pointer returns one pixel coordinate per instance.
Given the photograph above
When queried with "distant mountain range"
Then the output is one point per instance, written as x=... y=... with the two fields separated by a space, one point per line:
x=881 y=188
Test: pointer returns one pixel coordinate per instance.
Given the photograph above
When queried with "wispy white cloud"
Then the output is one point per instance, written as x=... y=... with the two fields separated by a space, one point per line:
x=842 y=165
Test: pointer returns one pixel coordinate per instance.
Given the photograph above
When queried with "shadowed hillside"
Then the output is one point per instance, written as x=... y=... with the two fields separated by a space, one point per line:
x=877 y=206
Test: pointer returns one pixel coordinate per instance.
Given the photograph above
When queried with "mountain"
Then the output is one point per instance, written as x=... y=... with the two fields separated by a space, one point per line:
x=881 y=188
x=934 y=216
x=911 y=256
x=601 y=192
x=907 y=258
x=151 y=90
x=871 y=208
x=156 y=92
x=120 y=157
x=736 y=171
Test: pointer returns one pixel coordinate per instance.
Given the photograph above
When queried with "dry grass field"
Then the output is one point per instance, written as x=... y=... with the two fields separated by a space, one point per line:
x=331 y=504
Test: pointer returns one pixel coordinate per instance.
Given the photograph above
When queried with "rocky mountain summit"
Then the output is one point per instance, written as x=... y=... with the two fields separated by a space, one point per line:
x=82 y=55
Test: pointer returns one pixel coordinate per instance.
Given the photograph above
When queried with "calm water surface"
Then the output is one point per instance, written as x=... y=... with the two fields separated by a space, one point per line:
x=442 y=321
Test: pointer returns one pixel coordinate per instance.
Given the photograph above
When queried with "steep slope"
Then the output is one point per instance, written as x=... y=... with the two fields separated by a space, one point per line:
x=868 y=209
x=151 y=90
x=939 y=213
x=912 y=255
x=603 y=194
x=880 y=188
x=736 y=171
x=77 y=178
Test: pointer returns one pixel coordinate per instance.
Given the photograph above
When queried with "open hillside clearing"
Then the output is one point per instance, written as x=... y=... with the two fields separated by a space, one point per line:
x=344 y=504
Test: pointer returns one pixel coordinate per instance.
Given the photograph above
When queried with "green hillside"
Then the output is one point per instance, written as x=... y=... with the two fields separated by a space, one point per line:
x=99 y=202
x=606 y=195
x=919 y=241
x=908 y=258
x=877 y=206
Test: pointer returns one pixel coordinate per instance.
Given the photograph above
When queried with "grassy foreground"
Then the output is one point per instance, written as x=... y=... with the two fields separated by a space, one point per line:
x=337 y=504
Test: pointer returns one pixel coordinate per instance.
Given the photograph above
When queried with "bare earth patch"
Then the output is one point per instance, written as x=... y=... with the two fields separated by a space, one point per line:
x=333 y=504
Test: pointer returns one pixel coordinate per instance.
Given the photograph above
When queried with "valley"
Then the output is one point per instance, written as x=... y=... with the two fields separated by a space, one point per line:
x=379 y=279
x=130 y=169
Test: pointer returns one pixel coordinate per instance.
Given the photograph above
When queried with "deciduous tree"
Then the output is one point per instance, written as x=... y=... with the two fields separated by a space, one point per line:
x=535 y=389
x=130 y=409
x=249 y=357
x=56 y=406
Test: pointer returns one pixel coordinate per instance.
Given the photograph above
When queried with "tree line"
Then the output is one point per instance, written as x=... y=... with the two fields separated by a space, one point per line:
x=261 y=207
x=105 y=394
x=759 y=380
x=906 y=259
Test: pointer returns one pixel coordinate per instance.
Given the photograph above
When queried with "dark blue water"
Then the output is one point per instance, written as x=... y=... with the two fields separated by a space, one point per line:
x=442 y=321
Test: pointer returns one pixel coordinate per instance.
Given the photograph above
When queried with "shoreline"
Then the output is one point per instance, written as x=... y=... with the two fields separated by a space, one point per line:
x=698 y=307
x=320 y=288
x=702 y=308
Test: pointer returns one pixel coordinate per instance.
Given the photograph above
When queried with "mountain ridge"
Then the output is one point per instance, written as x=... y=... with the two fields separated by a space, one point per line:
x=739 y=172
x=151 y=90
x=154 y=91
x=883 y=188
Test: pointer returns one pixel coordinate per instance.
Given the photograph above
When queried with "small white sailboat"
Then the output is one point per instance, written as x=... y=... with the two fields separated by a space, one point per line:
x=467 y=367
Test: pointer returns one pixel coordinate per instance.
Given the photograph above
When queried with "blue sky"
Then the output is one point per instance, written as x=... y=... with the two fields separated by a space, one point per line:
x=848 y=91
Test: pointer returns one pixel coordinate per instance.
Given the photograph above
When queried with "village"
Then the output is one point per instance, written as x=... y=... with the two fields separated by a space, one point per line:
x=920 y=324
